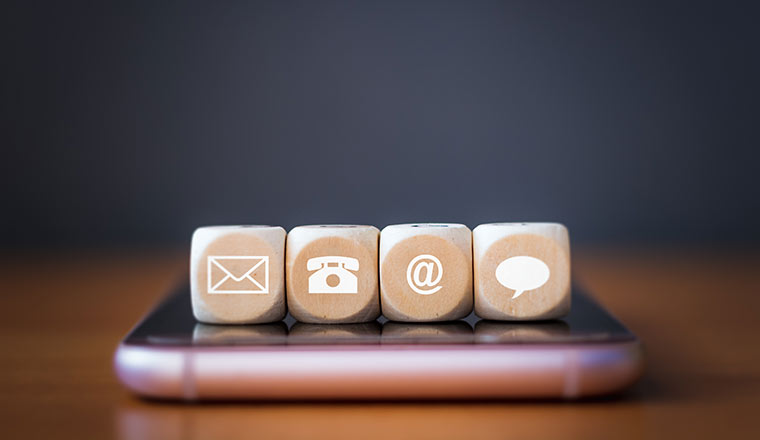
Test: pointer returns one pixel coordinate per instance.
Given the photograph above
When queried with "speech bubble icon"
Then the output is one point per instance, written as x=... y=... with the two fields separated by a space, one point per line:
x=522 y=273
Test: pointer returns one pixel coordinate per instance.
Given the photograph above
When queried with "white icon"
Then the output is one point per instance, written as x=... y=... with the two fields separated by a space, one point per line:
x=345 y=281
x=238 y=274
x=433 y=268
x=522 y=273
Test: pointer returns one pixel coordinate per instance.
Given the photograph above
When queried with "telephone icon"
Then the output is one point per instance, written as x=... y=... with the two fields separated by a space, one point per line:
x=332 y=275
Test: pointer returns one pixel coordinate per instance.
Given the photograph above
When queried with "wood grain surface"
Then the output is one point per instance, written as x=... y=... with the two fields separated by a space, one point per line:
x=265 y=248
x=321 y=242
x=426 y=272
x=696 y=311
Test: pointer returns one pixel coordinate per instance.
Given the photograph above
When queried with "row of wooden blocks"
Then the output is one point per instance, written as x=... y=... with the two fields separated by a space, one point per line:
x=418 y=272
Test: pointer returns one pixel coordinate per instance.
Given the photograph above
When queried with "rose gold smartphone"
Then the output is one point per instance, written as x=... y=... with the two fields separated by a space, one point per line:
x=170 y=355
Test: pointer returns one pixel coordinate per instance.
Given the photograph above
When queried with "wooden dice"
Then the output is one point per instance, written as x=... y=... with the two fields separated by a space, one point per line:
x=416 y=273
x=522 y=271
x=426 y=272
x=237 y=274
x=332 y=273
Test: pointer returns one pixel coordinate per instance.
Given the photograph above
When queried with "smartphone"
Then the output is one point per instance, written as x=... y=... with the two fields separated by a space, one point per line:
x=169 y=355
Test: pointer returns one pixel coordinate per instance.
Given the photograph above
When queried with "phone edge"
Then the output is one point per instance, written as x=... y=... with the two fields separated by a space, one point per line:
x=566 y=371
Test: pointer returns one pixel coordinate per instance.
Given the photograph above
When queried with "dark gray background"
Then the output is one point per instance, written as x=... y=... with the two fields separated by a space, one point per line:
x=135 y=123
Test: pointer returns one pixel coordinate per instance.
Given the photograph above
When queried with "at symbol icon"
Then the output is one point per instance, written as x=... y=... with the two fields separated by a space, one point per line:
x=433 y=272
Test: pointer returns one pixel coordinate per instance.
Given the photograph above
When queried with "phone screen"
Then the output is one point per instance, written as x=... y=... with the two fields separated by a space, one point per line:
x=172 y=323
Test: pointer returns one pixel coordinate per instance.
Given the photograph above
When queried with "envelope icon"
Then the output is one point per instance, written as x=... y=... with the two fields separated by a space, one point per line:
x=238 y=274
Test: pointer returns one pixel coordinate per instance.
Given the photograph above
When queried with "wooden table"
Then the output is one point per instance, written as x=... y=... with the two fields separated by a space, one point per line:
x=697 y=311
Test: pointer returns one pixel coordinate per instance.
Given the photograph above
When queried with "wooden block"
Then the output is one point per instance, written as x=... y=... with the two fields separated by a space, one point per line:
x=522 y=271
x=237 y=274
x=332 y=273
x=426 y=272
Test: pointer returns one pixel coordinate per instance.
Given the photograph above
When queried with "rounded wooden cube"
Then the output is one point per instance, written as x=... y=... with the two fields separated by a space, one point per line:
x=426 y=272
x=332 y=273
x=237 y=274
x=522 y=271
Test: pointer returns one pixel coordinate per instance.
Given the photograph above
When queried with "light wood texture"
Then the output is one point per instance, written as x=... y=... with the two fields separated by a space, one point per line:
x=496 y=245
x=333 y=290
x=426 y=272
x=224 y=289
x=695 y=310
